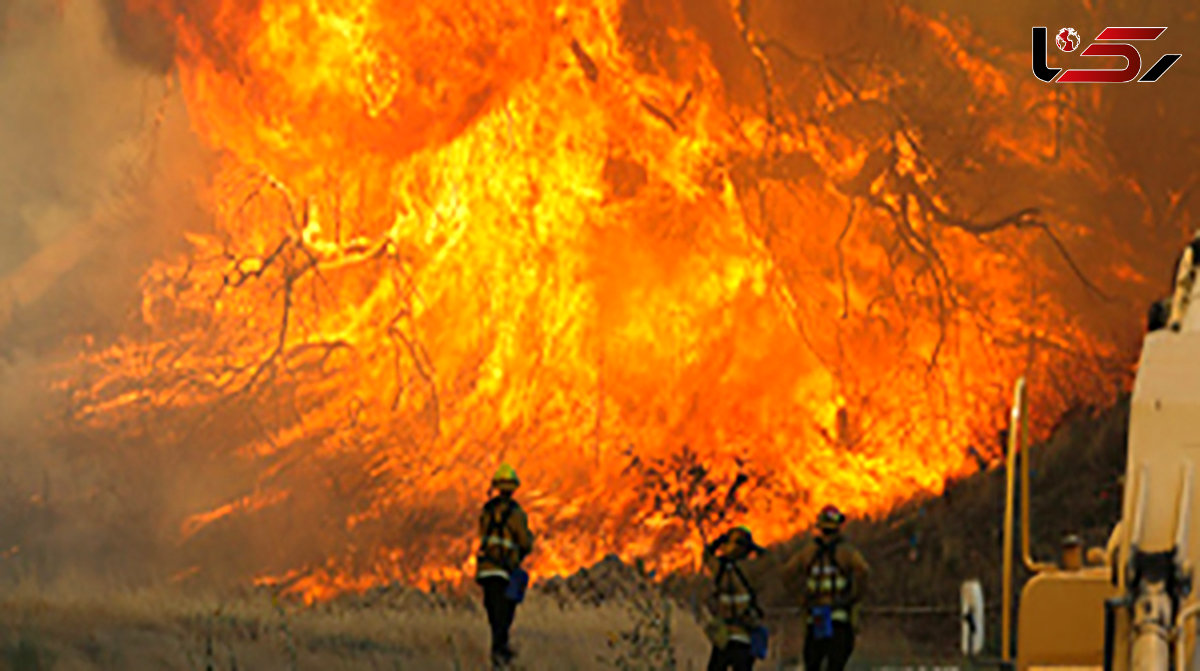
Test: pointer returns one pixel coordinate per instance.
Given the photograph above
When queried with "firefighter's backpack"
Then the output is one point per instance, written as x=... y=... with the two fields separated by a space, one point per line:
x=498 y=528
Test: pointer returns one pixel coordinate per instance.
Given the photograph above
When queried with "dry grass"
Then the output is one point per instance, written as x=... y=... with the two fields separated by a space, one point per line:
x=87 y=629
x=83 y=628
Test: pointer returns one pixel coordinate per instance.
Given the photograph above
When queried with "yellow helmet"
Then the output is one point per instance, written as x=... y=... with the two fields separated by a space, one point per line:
x=506 y=477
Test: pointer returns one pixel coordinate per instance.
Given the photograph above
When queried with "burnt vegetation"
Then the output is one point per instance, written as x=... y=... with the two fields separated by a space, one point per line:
x=685 y=489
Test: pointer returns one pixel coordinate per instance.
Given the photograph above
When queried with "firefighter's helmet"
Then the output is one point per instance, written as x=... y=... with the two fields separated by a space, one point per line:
x=506 y=478
x=830 y=518
x=742 y=536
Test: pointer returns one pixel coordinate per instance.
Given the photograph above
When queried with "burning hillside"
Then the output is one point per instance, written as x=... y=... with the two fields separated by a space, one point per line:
x=763 y=254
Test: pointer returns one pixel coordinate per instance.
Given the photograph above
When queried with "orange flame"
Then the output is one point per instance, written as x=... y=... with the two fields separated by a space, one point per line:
x=449 y=232
x=246 y=504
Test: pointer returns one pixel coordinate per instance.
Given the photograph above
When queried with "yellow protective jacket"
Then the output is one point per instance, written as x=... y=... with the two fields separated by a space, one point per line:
x=830 y=572
x=736 y=603
x=504 y=538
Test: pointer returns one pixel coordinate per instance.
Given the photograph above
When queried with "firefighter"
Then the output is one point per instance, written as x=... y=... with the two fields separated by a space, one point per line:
x=736 y=608
x=834 y=576
x=505 y=541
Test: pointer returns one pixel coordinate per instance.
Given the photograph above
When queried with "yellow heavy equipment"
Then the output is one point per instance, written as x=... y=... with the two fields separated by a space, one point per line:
x=1133 y=605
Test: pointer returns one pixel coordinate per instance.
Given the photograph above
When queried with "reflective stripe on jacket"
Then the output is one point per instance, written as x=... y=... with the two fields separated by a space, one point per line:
x=735 y=602
x=835 y=577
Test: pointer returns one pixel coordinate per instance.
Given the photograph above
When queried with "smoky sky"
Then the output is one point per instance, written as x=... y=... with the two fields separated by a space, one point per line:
x=141 y=38
x=99 y=173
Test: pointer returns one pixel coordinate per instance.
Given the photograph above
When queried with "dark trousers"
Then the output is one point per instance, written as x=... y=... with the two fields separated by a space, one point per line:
x=500 y=611
x=837 y=649
x=735 y=656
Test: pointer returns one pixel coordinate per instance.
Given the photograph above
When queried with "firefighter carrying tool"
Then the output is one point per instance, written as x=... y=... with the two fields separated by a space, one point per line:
x=736 y=632
x=505 y=541
x=834 y=575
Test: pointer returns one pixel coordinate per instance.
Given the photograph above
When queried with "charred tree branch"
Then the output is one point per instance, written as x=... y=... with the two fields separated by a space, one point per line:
x=422 y=363
x=1026 y=218
x=585 y=61
x=841 y=256
x=659 y=114
x=766 y=72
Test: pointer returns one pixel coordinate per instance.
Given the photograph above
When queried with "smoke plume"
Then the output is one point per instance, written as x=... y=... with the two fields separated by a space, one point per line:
x=99 y=175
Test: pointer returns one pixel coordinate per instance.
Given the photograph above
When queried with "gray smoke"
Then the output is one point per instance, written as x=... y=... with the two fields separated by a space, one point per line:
x=97 y=176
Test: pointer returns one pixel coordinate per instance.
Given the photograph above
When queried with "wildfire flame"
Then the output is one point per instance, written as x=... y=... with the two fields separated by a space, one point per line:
x=579 y=237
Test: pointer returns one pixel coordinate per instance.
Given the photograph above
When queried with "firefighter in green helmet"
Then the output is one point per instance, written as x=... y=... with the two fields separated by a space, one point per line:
x=505 y=541
x=738 y=618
